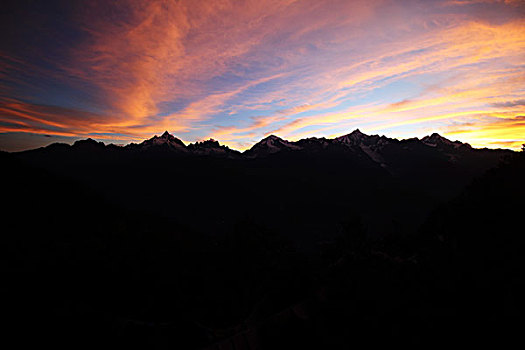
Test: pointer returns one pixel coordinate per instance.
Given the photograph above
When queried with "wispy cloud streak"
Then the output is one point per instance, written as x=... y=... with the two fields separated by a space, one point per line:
x=239 y=70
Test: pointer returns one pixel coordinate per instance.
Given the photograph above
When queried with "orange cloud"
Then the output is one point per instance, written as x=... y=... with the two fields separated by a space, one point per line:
x=19 y=116
x=464 y=95
x=310 y=67
x=165 y=49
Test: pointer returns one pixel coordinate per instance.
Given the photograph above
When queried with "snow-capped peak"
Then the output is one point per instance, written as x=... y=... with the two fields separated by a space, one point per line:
x=271 y=144
x=354 y=137
x=436 y=139
x=270 y=140
x=166 y=136
x=276 y=142
x=165 y=139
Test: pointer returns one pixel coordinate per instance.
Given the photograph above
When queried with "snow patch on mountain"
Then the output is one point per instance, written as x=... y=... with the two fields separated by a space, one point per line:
x=375 y=156
x=271 y=144
x=166 y=139
x=276 y=143
x=436 y=140
x=354 y=138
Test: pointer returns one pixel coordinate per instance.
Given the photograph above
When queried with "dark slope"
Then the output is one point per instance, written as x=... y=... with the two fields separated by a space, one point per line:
x=475 y=244
x=303 y=189
x=78 y=272
x=107 y=247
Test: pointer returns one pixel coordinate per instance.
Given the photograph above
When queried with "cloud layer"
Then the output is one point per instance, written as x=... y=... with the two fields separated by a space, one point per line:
x=239 y=70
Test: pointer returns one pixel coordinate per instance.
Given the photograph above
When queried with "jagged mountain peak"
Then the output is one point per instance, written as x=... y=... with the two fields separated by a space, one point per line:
x=210 y=143
x=355 y=133
x=89 y=142
x=166 y=140
x=212 y=147
x=436 y=139
x=273 y=138
x=166 y=136
x=271 y=144
x=354 y=137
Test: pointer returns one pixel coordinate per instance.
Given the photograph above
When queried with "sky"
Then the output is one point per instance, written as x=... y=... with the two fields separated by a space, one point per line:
x=237 y=71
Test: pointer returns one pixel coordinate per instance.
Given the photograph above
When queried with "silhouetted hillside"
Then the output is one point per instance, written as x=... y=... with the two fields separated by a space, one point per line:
x=318 y=246
x=302 y=189
x=475 y=245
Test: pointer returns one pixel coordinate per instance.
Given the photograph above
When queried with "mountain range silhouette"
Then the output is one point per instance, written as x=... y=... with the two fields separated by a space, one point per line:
x=369 y=144
x=383 y=179
x=318 y=243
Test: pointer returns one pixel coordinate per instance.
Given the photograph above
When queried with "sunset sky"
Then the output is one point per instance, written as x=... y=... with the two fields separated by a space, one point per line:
x=237 y=71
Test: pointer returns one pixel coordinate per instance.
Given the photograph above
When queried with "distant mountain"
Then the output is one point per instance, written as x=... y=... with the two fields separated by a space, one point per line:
x=397 y=156
x=381 y=150
x=436 y=140
x=378 y=178
x=270 y=145
x=166 y=141
x=212 y=147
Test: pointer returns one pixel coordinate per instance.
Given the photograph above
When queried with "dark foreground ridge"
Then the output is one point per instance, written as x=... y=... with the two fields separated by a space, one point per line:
x=304 y=188
x=319 y=243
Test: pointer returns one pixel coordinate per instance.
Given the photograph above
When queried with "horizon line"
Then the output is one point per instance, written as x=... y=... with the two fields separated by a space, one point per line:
x=187 y=143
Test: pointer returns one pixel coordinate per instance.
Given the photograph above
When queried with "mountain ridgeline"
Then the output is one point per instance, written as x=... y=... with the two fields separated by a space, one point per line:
x=304 y=189
x=361 y=240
